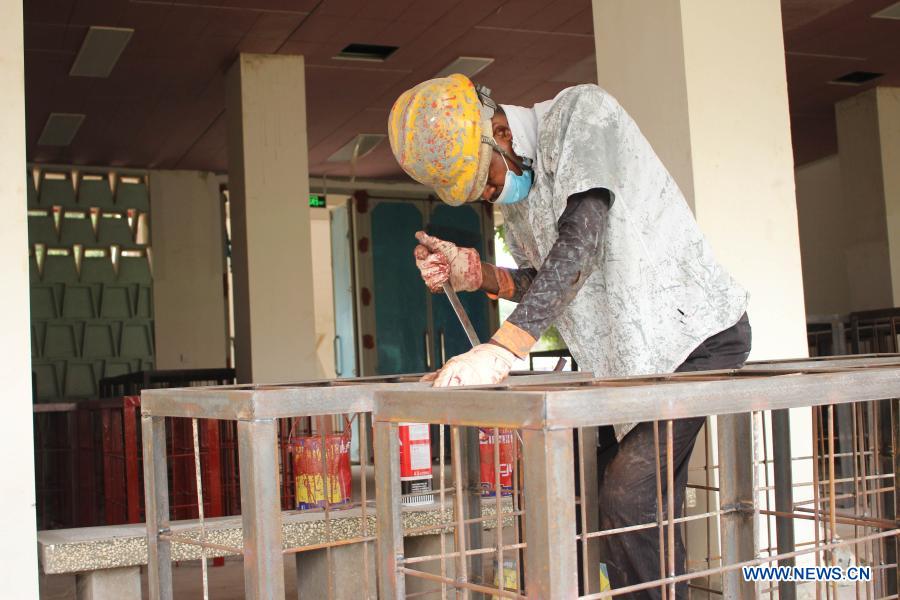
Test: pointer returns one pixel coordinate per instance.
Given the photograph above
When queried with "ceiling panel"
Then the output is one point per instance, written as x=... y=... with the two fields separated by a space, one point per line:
x=163 y=103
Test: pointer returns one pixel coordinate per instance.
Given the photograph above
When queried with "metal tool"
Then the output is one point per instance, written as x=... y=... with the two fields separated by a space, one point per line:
x=461 y=314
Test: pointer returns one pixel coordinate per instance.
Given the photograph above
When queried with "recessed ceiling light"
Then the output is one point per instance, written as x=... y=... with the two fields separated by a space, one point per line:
x=59 y=129
x=890 y=12
x=856 y=78
x=361 y=145
x=367 y=52
x=470 y=66
x=100 y=51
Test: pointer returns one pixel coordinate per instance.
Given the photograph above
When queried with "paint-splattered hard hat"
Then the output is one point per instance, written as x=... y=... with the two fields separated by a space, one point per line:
x=437 y=132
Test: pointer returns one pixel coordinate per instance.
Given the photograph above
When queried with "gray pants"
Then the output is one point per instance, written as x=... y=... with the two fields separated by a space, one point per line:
x=628 y=477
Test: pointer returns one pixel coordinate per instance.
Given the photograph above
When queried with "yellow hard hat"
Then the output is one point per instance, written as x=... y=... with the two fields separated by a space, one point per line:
x=437 y=131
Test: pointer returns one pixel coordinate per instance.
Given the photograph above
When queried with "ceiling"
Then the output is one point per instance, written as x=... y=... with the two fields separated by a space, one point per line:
x=163 y=105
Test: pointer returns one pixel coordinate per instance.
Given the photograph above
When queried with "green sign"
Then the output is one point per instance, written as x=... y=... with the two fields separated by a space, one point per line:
x=316 y=201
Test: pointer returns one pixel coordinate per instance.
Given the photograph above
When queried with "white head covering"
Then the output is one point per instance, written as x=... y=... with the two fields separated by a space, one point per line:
x=523 y=123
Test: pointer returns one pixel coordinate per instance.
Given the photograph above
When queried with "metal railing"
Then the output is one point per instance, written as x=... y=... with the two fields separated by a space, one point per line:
x=260 y=412
x=551 y=548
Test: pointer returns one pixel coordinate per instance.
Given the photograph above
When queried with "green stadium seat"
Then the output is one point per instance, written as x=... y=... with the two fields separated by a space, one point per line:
x=76 y=228
x=56 y=190
x=81 y=380
x=114 y=368
x=131 y=192
x=97 y=268
x=63 y=339
x=144 y=302
x=135 y=269
x=45 y=301
x=37 y=338
x=48 y=375
x=100 y=339
x=59 y=268
x=113 y=228
x=94 y=192
x=30 y=192
x=34 y=274
x=137 y=340
x=41 y=229
x=79 y=302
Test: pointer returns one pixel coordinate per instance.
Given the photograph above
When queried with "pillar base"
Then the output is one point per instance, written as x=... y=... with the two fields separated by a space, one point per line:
x=109 y=584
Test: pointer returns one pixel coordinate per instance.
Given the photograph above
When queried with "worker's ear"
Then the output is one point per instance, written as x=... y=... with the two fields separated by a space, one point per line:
x=502 y=133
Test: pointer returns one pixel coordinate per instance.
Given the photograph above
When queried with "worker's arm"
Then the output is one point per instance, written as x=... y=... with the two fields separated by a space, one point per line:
x=546 y=293
x=509 y=284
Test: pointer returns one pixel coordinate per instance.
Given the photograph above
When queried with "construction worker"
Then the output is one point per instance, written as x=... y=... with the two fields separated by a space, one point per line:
x=607 y=250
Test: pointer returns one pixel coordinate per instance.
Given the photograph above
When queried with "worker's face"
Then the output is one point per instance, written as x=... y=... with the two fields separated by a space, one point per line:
x=497 y=169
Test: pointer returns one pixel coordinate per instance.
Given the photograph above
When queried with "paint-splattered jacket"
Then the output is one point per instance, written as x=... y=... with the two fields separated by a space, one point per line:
x=652 y=291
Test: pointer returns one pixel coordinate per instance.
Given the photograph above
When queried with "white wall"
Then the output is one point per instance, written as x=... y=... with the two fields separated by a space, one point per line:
x=18 y=552
x=820 y=213
x=188 y=266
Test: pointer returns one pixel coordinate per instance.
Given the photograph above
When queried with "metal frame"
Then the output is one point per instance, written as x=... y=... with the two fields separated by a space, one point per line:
x=547 y=413
x=255 y=408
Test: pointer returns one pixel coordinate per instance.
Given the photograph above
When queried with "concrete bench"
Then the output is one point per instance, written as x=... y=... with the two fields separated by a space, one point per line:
x=107 y=560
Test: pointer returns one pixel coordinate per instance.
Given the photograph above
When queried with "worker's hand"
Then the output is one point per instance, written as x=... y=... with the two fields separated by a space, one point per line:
x=440 y=261
x=482 y=365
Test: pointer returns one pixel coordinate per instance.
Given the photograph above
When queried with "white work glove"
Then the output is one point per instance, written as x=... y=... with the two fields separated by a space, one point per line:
x=482 y=365
x=440 y=261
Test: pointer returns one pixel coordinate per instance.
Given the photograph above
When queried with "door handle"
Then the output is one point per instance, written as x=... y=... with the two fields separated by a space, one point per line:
x=443 y=347
x=427 y=351
x=338 y=362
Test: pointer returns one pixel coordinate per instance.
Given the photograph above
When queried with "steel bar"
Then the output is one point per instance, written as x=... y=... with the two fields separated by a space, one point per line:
x=461 y=314
x=590 y=516
x=568 y=406
x=664 y=591
x=737 y=498
x=464 y=586
x=460 y=532
x=784 y=494
x=895 y=451
x=389 y=545
x=550 y=504
x=732 y=568
x=430 y=557
x=470 y=455
x=156 y=508
x=261 y=510
x=200 y=513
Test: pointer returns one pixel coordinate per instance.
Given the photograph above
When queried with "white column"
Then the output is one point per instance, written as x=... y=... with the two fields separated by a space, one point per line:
x=18 y=559
x=188 y=270
x=868 y=127
x=706 y=83
x=268 y=170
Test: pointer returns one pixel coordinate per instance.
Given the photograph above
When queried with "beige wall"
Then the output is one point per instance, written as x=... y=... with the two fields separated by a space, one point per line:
x=188 y=266
x=820 y=211
x=18 y=559
x=269 y=187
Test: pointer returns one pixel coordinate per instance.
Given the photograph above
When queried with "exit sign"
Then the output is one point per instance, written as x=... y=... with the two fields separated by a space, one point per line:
x=316 y=201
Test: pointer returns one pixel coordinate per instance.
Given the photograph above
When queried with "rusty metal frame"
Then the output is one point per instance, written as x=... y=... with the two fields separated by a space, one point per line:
x=546 y=413
x=255 y=408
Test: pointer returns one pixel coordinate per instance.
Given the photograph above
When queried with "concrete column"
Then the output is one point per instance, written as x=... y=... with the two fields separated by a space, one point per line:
x=269 y=187
x=188 y=270
x=868 y=127
x=706 y=83
x=18 y=561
